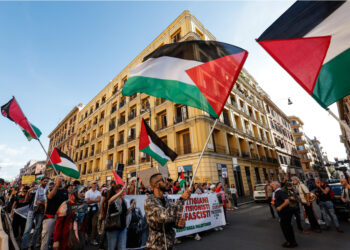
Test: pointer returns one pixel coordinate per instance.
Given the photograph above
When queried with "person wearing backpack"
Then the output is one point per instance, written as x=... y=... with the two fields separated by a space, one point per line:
x=323 y=193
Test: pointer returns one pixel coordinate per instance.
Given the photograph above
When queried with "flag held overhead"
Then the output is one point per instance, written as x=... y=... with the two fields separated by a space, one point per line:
x=63 y=163
x=152 y=145
x=199 y=74
x=12 y=111
x=311 y=41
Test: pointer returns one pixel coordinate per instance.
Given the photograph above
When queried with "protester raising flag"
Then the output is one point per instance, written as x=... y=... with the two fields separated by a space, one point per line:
x=117 y=178
x=12 y=111
x=152 y=145
x=199 y=74
x=182 y=179
x=63 y=163
x=311 y=42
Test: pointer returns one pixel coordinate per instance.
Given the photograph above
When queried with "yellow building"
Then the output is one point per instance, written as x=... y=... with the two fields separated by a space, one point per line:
x=240 y=151
x=304 y=145
x=63 y=136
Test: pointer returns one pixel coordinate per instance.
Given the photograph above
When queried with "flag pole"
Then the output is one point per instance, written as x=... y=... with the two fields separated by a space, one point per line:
x=200 y=157
x=342 y=123
x=37 y=137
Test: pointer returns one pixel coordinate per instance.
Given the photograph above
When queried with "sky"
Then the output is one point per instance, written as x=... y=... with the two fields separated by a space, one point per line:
x=55 y=55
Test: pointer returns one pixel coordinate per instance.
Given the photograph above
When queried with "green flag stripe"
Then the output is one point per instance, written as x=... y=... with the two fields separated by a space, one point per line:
x=175 y=91
x=67 y=171
x=333 y=82
x=155 y=156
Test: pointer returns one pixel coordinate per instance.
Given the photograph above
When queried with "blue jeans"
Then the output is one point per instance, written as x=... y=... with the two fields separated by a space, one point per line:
x=29 y=224
x=327 y=210
x=116 y=238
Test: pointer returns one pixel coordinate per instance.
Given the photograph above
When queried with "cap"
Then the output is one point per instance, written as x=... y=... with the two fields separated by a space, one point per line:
x=212 y=186
x=132 y=179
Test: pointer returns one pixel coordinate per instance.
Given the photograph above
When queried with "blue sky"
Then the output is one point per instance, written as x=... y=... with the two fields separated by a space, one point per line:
x=54 y=55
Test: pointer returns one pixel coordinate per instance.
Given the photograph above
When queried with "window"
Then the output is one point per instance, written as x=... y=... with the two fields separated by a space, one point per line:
x=176 y=36
x=200 y=34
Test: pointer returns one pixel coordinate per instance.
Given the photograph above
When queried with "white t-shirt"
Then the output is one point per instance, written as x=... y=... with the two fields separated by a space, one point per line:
x=302 y=190
x=92 y=195
x=233 y=190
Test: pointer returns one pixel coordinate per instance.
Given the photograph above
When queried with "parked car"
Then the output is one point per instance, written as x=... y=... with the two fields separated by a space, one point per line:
x=339 y=206
x=259 y=192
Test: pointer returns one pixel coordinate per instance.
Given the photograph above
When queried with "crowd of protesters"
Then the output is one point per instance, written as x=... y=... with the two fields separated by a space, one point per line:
x=55 y=214
x=293 y=197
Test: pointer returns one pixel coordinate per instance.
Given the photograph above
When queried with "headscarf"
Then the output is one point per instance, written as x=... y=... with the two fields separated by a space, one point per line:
x=76 y=190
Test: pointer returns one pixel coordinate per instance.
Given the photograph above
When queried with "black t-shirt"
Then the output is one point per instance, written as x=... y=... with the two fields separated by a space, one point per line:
x=321 y=196
x=113 y=209
x=20 y=201
x=280 y=197
x=56 y=201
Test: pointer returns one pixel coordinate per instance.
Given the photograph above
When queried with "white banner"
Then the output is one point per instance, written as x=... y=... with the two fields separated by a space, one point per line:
x=202 y=212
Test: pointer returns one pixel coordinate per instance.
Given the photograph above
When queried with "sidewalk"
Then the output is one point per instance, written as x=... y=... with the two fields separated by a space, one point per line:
x=244 y=200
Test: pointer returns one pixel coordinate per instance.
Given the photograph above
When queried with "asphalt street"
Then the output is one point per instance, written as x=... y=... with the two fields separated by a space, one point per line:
x=251 y=227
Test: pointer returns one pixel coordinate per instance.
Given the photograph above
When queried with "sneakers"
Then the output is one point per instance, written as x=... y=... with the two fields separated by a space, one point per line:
x=197 y=237
x=321 y=222
x=307 y=221
x=235 y=208
x=94 y=243
x=216 y=229
x=221 y=228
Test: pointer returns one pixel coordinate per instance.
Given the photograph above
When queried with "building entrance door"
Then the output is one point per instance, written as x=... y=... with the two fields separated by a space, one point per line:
x=249 y=181
x=238 y=179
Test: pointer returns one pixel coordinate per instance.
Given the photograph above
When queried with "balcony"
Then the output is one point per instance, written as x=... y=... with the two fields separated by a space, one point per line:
x=160 y=125
x=121 y=120
x=111 y=145
x=133 y=96
x=185 y=149
x=120 y=142
x=109 y=165
x=111 y=126
x=179 y=118
x=305 y=160
x=255 y=156
x=245 y=154
x=227 y=121
x=122 y=103
x=92 y=153
x=220 y=149
x=234 y=151
x=114 y=108
x=160 y=101
x=115 y=90
x=100 y=134
x=145 y=107
x=131 y=138
x=145 y=158
x=98 y=151
x=131 y=161
x=132 y=114
x=302 y=151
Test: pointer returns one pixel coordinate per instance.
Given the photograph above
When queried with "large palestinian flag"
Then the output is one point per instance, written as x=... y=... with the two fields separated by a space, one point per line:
x=63 y=163
x=152 y=145
x=199 y=74
x=311 y=41
x=12 y=111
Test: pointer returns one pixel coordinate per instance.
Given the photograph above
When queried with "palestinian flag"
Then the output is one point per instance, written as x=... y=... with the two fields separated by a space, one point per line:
x=152 y=145
x=118 y=179
x=63 y=163
x=39 y=177
x=311 y=41
x=199 y=74
x=12 y=111
x=182 y=179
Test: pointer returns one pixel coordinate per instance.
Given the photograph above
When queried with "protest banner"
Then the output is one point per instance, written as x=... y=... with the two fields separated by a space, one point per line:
x=27 y=179
x=202 y=212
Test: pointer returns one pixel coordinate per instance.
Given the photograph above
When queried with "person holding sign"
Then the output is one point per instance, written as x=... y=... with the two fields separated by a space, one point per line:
x=162 y=215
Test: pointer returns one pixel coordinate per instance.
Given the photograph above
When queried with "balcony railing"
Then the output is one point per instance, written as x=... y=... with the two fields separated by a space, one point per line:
x=109 y=166
x=185 y=149
x=132 y=115
x=131 y=161
x=133 y=96
x=121 y=120
x=111 y=145
x=245 y=154
x=122 y=103
x=98 y=151
x=115 y=90
x=179 y=118
x=100 y=134
x=114 y=108
x=234 y=151
x=111 y=126
x=255 y=156
x=145 y=107
x=131 y=138
x=220 y=149
x=227 y=121
x=120 y=142
x=160 y=125
x=92 y=153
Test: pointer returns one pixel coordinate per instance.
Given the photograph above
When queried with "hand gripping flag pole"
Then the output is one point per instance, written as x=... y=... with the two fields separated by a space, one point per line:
x=38 y=140
x=199 y=161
